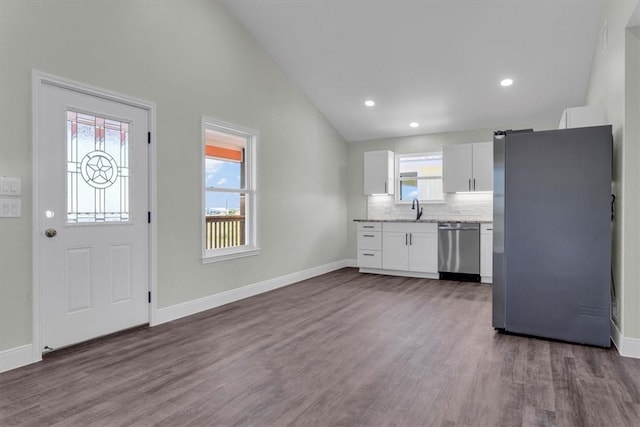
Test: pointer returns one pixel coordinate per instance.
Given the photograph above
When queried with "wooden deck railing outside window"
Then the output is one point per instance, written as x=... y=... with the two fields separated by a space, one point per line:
x=224 y=231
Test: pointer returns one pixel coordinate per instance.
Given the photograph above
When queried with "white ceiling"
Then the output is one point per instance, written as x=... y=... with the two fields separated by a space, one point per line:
x=634 y=21
x=437 y=62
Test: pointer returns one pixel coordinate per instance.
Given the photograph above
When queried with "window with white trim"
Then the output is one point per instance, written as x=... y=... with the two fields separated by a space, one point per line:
x=419 y=176
x=229 y=196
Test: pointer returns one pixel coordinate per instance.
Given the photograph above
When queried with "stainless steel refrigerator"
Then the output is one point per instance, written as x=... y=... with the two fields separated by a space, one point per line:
x=552 y=234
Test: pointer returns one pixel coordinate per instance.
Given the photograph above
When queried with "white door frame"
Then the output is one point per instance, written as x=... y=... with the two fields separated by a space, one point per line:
x=39 y=79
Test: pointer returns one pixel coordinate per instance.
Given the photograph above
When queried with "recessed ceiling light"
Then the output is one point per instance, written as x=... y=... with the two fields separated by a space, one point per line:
x=369 y=103
x=414 y=124
x=506 y=82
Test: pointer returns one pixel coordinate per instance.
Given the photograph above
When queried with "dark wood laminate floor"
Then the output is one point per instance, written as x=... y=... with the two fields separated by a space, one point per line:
x=343 y=349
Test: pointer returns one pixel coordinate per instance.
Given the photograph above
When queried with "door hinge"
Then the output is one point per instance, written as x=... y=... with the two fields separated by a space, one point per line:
x=149 y=297
x=148 y=137
x=149 y=217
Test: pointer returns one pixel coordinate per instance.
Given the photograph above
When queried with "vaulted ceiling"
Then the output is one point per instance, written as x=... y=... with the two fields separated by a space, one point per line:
x=435 y=62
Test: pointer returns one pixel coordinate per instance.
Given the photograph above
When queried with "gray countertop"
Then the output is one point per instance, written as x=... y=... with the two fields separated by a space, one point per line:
x=466 y=221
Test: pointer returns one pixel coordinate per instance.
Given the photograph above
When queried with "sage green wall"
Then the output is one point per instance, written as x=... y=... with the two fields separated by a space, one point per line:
x=609 y=86
x=190 y=58
x=631 y=279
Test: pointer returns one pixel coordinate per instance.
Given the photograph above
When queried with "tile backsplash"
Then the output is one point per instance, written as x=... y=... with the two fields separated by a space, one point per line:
x=456 y=206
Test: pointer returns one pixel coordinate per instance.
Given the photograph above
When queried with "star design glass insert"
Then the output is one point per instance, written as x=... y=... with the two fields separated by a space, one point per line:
x=98 y=172
x=99 y=169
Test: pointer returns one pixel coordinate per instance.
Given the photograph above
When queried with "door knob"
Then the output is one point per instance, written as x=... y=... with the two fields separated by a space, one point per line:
x=50 y=232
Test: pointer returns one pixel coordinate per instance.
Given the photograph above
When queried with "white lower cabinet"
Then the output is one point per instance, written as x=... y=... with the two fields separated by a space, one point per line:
x=369 y=245
x=410 y=247
x=423 y=252
x=486 y=253
x=369 y=259
x=396 y=250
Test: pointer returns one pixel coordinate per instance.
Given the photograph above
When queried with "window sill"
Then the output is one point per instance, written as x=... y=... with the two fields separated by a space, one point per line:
x=229 y=254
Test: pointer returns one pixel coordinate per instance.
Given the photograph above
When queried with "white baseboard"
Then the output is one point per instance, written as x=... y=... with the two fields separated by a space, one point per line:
x=16 y=357
x=167 y=314
x=352 y=262
x=627 y=347
x=400 y=273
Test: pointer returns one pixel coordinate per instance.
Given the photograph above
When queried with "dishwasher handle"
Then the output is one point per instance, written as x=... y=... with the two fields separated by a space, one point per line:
x=450 y=228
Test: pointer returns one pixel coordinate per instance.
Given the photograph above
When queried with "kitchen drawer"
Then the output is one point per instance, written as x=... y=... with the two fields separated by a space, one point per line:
x=369 y=259
x=486 y=228
x=369 y=226
x=370 y=240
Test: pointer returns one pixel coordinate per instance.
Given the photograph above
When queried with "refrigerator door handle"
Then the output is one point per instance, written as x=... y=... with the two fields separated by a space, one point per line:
x=613 y=207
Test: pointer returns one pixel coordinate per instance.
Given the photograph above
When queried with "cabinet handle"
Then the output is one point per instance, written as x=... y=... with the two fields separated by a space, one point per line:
x=474 y=184
x=410 y=239
x=385 y=187
x=367 y=226
x=406 y=239
x=368 y=235
x=368 y=254
x=469 y=184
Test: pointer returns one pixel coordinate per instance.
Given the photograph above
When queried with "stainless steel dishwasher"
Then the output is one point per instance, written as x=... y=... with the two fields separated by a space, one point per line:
x=459 y=251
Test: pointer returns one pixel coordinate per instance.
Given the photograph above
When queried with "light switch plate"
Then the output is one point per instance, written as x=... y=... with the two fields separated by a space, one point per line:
x=9 y=186
x=9 y=207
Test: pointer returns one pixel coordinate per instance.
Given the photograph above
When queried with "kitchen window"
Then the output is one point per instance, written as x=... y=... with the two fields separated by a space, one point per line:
x=419 y=176
x=229 y=196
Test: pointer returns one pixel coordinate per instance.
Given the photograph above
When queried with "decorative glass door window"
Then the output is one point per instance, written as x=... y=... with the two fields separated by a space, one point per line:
x=97 y=169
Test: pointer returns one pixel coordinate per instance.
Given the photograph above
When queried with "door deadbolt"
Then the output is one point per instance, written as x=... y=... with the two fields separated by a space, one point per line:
x=50 y=232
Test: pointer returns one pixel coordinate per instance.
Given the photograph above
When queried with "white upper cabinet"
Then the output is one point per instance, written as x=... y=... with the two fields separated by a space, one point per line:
x=468 y=167
x=378 y=172
x=457 y=161
x=483 y=166
x=577 y=117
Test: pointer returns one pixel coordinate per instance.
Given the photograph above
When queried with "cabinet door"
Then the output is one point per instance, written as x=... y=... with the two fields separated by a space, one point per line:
x=423 y=252
x=456 y=168
x=577 y=117
x=483 y=166
x=486 y=254
x=378 y=172
x=395 y=250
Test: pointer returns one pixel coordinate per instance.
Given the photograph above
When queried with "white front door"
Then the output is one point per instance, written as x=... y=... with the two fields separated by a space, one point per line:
x=92 y=199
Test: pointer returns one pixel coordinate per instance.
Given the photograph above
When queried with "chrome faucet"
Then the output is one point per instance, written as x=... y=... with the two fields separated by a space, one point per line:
x=419 y=211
